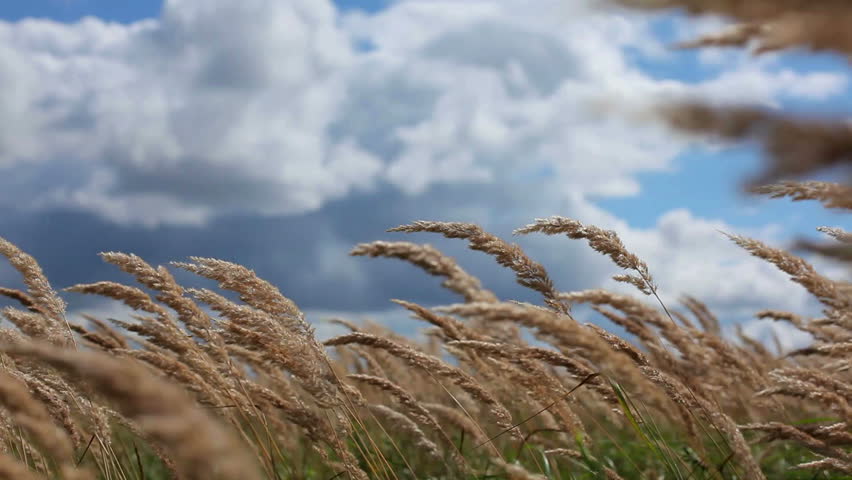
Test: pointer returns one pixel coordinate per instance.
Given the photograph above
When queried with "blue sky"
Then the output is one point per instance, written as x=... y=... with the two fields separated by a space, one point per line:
x=265 y=134
x=125 y=12
x=74 y=10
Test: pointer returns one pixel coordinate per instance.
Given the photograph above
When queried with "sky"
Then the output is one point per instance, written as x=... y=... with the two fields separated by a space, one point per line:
x=279 y=134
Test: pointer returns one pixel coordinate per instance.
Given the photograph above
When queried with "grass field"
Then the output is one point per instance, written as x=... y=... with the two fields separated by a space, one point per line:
x=206 y=384
x=233 y=384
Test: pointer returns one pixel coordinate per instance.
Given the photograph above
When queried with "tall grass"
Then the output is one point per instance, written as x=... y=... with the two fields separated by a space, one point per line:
x=229 y=384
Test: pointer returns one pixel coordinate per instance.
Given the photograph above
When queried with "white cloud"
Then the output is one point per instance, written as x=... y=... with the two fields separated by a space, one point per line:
x=214 y=107
x=268 y=107
x=689 y=255
x=756 y=84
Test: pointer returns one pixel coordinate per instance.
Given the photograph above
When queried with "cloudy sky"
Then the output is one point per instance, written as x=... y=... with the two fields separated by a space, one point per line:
x=280 y=133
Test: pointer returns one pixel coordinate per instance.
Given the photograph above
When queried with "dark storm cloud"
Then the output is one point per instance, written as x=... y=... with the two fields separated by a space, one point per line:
x=306 y=255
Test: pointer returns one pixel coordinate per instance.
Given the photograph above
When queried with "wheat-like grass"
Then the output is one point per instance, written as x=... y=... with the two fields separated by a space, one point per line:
x=199 y=383
x=528 y=272
x=200 y=447
x=433 y=262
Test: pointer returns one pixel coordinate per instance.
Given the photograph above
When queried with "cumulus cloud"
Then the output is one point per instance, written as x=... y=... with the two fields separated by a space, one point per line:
x=214 y=107
x=277 y=108
x=690 y=255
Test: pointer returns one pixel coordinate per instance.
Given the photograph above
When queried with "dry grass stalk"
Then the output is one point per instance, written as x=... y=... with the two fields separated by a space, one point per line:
x=452 y=328
x=433 y=366
x=559 y=326
x=12 y=469
x=832 y=195
x=705 y=317
x=837 y=233
x=169 y=293
x=515 y=354
x=401 y=423
x=826 y=332
x=200 y=447
x=781 y=431
x=692 y=402
x=827 y=463
x=796 y=146
x=103 y=334
x=433 y=262
x=810 y=385
x=253 y=290
x=565 y=452
x=131 y=296
x=22 y=297
x=620 y=345
x=34 y=325
x=833 y=434
x=842 y=252
x=38 y=288
x=411 y=404
x=605 y=242
x=840 y=350
x=298 y=352
x=29 y=413
x=762 y=354
x=565 y=333
x=774 y=25
x=799 y=271
x=43 y=300
x=529 y=273
x=638 y=320
x=57 y=398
